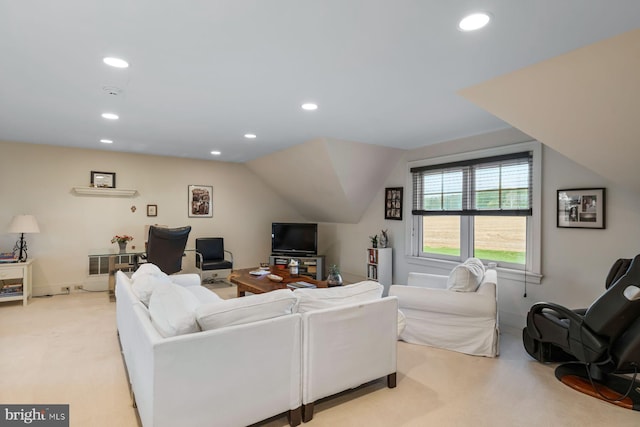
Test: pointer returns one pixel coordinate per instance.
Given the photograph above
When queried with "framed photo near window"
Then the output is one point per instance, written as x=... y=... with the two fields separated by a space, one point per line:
x=393 y=203
x=581 y=208
x=152 y=210
x=200 y=201
x=103 y=179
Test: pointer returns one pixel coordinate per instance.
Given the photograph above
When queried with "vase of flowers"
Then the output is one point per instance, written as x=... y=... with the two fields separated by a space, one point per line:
x=122 y=242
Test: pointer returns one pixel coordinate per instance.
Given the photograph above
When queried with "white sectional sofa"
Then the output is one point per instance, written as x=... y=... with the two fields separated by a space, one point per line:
x=204 y=361
x=230 y=376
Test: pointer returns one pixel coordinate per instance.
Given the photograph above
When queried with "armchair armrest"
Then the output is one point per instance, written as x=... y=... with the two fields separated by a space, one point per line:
x=427 y=280
x=540 y=306
x=230 y=255
x=466 y=304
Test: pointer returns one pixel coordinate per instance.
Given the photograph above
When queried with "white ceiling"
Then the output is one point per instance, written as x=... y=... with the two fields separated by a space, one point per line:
x=204 y=73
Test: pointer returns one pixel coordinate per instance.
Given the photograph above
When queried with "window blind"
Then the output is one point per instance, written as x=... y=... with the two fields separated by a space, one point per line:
x=498 y=185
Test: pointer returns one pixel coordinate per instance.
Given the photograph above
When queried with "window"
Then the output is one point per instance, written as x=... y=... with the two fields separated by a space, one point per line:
x=480 y=206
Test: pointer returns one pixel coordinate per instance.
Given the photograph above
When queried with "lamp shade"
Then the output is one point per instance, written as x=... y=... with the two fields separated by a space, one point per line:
x=24 y=224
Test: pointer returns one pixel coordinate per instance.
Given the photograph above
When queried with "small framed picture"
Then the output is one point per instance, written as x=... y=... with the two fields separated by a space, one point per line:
x=103 y=179
x=393 y=203
x=581 y=208
x=200 y=201
x=152 y=210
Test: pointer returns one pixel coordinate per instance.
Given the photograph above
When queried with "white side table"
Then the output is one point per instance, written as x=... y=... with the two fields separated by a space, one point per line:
x=16 y=273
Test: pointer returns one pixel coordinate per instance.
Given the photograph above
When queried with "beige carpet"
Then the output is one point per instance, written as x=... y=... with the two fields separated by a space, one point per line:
x=63 y=349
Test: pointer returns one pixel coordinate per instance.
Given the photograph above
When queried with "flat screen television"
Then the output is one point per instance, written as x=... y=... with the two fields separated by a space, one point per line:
x=294 y=239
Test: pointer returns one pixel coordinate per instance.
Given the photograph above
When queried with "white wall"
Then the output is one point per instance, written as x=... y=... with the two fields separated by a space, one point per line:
x=37 y=179
x=575 y=262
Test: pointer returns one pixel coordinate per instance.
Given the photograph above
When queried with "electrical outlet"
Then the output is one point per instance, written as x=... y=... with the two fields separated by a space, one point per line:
x=77 y=287
x=65 y=289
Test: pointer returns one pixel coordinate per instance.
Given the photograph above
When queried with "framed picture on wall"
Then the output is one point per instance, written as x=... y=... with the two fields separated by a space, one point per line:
x=103 y=179
x=152 y=210
x=581 y=208
x=393 y=203
x=200 y=201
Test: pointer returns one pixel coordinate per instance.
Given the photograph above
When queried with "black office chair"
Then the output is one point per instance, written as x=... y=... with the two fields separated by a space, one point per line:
x=600 y=343
x=211 y=255
x=165 y=248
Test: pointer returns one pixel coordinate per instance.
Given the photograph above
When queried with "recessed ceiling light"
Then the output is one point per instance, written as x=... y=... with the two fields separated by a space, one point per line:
x=115 y=62
x=475 y=21
x=250 y=136
x=106 y=141
x=216 y=153
x=110 y=116
x=309 y=106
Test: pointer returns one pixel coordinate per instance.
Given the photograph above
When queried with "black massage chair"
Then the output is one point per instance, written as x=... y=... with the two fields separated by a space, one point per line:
x=601 y=343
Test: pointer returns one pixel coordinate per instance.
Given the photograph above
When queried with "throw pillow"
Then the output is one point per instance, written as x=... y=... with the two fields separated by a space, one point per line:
x=144 y=285
x=252 y=308
x=466 y=277
x=147 y=269
x=172 y=310
x=316 y=299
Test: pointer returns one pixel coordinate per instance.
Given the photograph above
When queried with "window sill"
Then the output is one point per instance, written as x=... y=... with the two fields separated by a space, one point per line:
x=440 y=266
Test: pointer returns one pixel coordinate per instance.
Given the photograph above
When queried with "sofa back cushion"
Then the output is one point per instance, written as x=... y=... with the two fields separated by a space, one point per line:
x=172 y=310
x=252 y=308
x=316 y=299
x=466 y=277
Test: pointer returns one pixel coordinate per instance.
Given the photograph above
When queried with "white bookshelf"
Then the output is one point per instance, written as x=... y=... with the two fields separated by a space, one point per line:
x=379 y=265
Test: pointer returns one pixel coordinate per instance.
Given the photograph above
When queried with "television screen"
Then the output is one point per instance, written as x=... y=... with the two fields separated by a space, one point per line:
x=296 y=239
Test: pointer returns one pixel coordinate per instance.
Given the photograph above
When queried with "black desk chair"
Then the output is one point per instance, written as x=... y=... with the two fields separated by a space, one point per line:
x=601 y=342
x=211 y=255
x=165 y=248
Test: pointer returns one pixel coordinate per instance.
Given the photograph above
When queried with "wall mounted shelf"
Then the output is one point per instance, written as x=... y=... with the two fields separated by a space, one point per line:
x=106 y=192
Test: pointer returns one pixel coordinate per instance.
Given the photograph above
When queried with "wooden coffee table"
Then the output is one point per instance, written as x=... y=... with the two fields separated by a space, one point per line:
x=260 y=284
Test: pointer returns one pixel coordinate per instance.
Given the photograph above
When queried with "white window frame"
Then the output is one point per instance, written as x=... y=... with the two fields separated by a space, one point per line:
x=532 y=271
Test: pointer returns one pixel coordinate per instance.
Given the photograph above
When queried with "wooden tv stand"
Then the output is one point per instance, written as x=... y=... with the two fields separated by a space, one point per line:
x=312 y=266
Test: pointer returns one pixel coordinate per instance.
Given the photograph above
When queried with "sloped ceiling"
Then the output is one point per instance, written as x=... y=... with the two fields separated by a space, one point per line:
x=584 y=104
x=328 y=180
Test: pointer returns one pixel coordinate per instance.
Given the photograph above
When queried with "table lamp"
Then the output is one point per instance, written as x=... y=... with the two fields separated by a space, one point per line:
x=23 y=224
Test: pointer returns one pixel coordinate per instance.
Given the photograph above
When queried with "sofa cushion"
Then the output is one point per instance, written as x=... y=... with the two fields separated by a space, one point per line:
x=172 y=310
x=466 y=277
x=252 y=308
x=203 y=295
x=143 y=285
x=316 y=299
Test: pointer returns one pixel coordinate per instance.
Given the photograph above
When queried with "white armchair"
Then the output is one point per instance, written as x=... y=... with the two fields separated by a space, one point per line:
x=466 y=322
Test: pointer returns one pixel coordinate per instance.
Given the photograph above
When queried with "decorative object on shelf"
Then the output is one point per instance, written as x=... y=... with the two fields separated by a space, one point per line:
x=334 y=278
x=200 y=201
x=293 y=268
x=103 y=179
x=374 y=241
x=384 y=239
x=581 y=208
x=393 y=203
x=122 y=241
x=152 y=210
x=22 y=224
